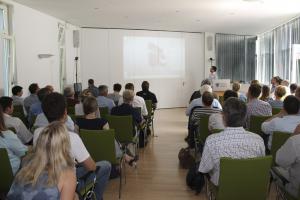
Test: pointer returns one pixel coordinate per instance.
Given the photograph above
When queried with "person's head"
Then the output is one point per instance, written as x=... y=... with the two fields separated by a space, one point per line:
x=91 y=82
x=145 y=86
x=2 y=123
x=7 y=105
x=207 y=99
x=69 y=92
x=42 y=93
x=255 y=82
x=129 y=86
x=297 y=92
x=229 y=93
x=117 y=87
x=254 y=90
x=205 y=82
x=54 y=107
x=291 y=105
x=234 y=112
x=33 y=88
x=276 y=80
x=213 y=69
x=50 y=155
x=280 y=91
x=236 y=86
x=90 y=105
x=17 y=91
x=205 y=88
x=103 y=90
x=293 y=88
x=128 y=96
x=265 y=91
x=50 y=88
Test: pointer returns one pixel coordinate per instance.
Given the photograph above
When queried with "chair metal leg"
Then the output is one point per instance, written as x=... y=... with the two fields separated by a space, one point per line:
x=120 y=184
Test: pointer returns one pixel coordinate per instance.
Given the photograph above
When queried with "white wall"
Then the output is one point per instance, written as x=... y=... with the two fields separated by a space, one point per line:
x=37 y=33
x=101 y=58
x=209 y=53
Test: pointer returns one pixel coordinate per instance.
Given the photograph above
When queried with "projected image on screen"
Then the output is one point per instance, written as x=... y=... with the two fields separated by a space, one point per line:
x=153 y=57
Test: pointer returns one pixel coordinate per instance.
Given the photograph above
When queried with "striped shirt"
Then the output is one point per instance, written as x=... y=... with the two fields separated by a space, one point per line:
x=199 y=111
x=233 y=142
x=258 y=108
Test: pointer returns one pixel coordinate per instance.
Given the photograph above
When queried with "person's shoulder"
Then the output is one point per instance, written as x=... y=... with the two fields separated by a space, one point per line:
x=139 y=93
x=9 y=134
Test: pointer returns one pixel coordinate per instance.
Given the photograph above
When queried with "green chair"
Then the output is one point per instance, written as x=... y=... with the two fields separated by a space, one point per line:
x=278 y=139
x=104 y=111
x=6 y=173
x=216 y=130
x=150 y=117
x=245 y=179
x=124 y=129
x=101 y=146
x=256 y=122
x=71 y=110
x=19 y=112
x=276 y=111
x=203 y=131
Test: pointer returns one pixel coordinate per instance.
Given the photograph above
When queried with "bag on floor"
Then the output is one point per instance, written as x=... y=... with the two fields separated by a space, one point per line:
x=186 y=160
x=195 y=179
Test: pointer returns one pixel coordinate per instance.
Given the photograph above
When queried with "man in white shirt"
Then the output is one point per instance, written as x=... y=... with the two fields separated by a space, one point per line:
x=55 y=109
x=13 y=122
x=285 y=121
x=138 y=102
x=231 y=142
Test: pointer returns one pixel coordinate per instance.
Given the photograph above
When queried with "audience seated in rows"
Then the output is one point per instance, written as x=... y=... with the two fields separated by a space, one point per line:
x=48 y=171
x=288 y=158
x=215 y=120
x=102 y=99
x=78 y=150
x=126 y=108
x=138 y=102
x=265 y=93
x=198 y=102
x=255 y=106
x=36 y=108
x=279 y=94
x=231 y=142
x=115 y=96
x=93 y=89
x=17 y=92
x=236 y=88
x=285 y=121
x=13 y=122
x=69 y=94
x=79 y=107
x=293 y=88
x=9 y=140
x=32 y=98
x=147 y=95
x=197 y=93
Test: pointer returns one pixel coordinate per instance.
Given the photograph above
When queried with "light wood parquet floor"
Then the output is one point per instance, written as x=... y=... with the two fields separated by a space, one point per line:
x=158 y=175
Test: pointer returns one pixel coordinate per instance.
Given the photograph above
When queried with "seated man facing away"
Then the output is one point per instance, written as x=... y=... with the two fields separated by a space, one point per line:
x=93 y=89
x=293 y=88
x=236 y=88
x=279 y=95
x=255 y=106
x=285 y=121
x=13 y=122
x=234 y=142
x=115 y=96
x=102 y=99
x=197 y=94
x=17 y=92
x=215 y=120
x=32 y=98
x=55 y=109
x=198 y=102
x=147 y=95
x=138 y=102
x=69 y=94
x=288 y=158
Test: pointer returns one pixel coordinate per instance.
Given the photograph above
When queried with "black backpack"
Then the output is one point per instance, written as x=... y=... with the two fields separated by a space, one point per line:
x=195 y=179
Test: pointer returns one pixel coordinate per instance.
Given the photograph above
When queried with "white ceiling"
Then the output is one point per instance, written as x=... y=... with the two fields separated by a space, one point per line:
x=220 y=16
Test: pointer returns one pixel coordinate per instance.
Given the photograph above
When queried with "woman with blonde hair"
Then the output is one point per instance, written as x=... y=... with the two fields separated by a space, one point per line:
x=48 y=172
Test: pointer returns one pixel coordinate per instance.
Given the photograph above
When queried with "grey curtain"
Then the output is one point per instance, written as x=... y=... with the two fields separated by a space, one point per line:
x=236 y=57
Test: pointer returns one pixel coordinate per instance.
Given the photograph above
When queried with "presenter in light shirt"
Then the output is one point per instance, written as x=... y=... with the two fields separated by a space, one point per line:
x=213 y=74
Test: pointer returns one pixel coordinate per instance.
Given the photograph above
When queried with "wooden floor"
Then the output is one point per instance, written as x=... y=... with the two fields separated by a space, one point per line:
x=158 y=176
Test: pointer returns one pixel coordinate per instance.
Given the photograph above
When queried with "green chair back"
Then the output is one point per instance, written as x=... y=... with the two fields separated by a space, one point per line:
x=100 y=144
x=256 y=122
x=216 y=130
x=104 y=111
x=149 y=107
x=278 y=139
x=19 y=112
x=276 y=111
x=245 y=179
x=123 y=126
x=71 y=110
x=6 y=173
x=203 y=131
